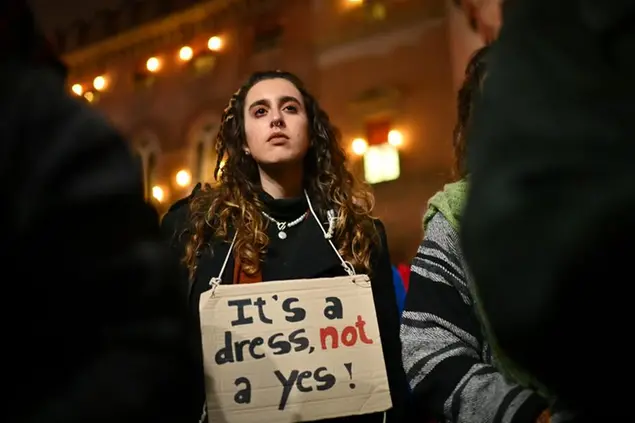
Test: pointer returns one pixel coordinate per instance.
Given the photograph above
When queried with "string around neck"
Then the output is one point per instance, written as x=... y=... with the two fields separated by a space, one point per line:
x=348 y=267
x=328 y=234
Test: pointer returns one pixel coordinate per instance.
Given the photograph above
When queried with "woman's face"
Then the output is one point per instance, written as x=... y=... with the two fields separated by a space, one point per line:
x=276 y=124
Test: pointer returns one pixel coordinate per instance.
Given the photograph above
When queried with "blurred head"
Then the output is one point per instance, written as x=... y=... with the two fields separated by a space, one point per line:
x=273 y=124
x=20 y=37
x=475 y=73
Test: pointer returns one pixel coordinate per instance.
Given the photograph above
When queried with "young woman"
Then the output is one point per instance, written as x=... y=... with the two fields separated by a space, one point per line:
x=284 y=171
x=452 y=364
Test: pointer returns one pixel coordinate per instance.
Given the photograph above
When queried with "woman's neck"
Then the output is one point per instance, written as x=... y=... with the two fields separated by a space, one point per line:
x=286 y=184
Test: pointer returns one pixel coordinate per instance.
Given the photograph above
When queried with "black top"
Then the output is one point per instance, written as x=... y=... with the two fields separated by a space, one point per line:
x=305 y=253
x=548 y=230
x=279 y=251
x=96 y=281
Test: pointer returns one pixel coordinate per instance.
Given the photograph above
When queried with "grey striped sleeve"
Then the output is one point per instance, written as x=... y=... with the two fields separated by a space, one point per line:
x=442 y=345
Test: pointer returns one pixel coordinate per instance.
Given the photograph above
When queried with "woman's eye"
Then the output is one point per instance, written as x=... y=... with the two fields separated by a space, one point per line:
x=260 y=112
x=291 y=108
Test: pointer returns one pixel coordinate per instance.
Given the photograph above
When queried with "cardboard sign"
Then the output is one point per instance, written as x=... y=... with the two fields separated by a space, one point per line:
x=292 y=351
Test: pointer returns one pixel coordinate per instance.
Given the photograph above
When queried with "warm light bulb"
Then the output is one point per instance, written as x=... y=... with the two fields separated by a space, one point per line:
x=89 y=96
x=77 y=89
x=183 y=178
x=157 y=193
x=99 y=83
x=359 y=146
x=153 y=64
x=186 y=53
x=395 y=138
x=214 y=43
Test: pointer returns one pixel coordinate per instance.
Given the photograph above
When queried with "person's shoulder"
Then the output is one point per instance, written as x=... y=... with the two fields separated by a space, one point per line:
x=381 y=238
x=379 y=226
x=440 y=232
x=177 y=218
x=439 y=225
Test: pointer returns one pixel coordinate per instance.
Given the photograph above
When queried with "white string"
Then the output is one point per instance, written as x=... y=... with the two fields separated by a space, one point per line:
x=332 y=220
x=215 y=281
x=348 y=267
x=204 y=413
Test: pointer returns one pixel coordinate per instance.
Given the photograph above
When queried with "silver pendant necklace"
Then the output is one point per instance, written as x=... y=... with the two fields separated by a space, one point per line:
x=283 y=226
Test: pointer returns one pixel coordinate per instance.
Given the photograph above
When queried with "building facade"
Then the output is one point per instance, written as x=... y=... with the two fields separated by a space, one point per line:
x=385 y=70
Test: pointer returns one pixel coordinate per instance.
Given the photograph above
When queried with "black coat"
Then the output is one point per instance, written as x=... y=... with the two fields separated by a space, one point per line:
x=94 y=324
x=318 y=260
x=548 y=230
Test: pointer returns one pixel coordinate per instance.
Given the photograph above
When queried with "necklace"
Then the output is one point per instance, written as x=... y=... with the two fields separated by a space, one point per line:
x=282 y=226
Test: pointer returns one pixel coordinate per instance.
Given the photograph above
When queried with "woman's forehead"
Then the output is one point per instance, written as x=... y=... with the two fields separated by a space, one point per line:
x=272 y=90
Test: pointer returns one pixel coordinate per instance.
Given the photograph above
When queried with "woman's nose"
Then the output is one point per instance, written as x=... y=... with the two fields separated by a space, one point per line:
x=277 y=121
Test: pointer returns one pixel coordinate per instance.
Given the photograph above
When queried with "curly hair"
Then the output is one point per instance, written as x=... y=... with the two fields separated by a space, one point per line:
x=471 y=88
x=234 y=205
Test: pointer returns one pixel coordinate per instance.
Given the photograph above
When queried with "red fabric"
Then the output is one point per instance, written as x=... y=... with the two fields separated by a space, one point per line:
x=404 y=271
x=377 y=132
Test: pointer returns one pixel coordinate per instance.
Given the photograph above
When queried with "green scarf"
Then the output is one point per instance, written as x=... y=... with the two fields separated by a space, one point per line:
x=449 y=202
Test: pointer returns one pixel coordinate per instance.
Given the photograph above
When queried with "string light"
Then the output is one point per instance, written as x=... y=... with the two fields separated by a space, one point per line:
x=158 y=193
x=215 y=43
x=153 y=64
x=186 y=53
x=183 y=178
x=359 y=146
x=100 y=83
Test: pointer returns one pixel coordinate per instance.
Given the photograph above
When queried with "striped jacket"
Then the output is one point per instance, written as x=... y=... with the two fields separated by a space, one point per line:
x=449 y=364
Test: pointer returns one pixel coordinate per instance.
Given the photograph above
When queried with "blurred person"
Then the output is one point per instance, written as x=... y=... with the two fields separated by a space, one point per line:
x=268 y=216
x=98 y=330
x=452 y=362
x=551 y=157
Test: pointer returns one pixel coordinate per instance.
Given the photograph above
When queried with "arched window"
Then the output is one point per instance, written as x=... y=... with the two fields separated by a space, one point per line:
x=199 y=161
x=203 y=154
x=147 y=149
x=150 y=172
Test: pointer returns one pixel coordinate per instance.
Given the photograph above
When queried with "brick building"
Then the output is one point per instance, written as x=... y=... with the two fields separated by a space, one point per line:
x=384 y=70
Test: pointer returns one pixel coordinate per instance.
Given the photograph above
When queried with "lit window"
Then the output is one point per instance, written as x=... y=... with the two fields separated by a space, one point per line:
x=381 y=163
